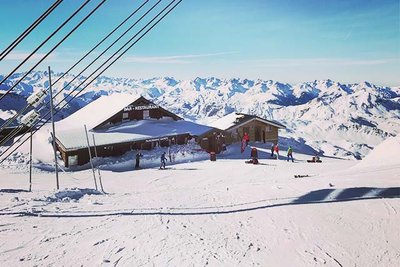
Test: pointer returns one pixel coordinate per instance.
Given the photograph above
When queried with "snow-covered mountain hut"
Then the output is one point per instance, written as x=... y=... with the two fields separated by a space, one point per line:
x=258 y=129
x=119 y=123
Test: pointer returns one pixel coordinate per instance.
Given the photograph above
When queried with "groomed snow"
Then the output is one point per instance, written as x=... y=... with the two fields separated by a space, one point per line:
x=223 y=213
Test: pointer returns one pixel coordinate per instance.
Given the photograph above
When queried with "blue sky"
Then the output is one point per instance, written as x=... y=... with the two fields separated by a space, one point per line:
x=286 y=40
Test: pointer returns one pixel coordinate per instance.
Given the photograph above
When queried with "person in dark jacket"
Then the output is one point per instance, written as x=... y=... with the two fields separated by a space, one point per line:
x=163 y=160
x=290 y=153
x=254 y=155
x=272 y=151
x=138 y=156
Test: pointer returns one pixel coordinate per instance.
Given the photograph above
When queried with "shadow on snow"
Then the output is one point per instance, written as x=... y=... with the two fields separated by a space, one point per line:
x=313 y=197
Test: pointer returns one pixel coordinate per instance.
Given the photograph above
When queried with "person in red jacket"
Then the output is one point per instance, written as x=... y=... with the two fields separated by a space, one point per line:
x=246 y=138
x=277 y=151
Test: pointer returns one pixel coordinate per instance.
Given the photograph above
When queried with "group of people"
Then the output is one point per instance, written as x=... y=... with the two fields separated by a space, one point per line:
x=275 y=150
x=245 y=143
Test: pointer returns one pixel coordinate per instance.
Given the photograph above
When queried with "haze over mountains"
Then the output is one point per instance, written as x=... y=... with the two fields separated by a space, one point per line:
x=334 y=118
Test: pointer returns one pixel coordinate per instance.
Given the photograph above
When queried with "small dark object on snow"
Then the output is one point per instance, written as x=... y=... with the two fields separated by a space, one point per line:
x=331 y=185
x=301 y=176
x=252 y=161
x=253 y=156
x=315 y=159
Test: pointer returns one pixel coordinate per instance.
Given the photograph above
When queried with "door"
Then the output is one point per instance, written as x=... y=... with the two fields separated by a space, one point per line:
x=257 y=133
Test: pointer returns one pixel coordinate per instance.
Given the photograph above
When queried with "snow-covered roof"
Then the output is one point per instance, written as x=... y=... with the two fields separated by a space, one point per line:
x=237 y=119
x=130 y=131
x=96 y=112
x=227 y=121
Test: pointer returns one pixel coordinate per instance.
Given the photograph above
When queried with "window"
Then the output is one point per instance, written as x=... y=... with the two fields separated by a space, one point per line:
x=73 y=160
x=125 y=116
x=268 y=128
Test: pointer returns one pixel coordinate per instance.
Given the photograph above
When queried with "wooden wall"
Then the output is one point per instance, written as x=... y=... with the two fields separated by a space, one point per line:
x=257 y=131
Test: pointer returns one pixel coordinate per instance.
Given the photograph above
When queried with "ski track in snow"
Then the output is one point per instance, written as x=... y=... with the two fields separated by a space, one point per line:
x=225 y=213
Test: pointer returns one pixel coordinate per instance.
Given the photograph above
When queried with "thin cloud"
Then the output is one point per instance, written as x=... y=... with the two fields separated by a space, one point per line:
x=181 y=59
x=320 y=62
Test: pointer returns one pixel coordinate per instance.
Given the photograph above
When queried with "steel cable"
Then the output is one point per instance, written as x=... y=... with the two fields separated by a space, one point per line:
x=29 y=29
x=9 y=121
x=51 y=50
x=37 y=129
x=9 y=136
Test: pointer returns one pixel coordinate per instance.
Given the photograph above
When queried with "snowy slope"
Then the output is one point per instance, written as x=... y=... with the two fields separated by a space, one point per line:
x=384 y=155
x=345 y=120
x=223 y=213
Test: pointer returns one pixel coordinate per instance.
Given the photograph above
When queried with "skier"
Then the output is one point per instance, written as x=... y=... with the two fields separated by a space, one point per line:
x=138 y=156
x=277 y=151
x=272 y=150
x=290 y=153
x=163 y=160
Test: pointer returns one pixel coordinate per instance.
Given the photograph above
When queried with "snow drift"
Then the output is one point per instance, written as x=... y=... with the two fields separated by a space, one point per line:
x=385 y=154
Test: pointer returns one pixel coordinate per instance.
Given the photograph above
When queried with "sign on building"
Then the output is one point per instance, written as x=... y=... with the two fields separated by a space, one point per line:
x=142 y=107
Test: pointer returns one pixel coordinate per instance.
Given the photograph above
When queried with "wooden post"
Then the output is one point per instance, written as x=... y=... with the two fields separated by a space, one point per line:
x=90 y=157
x=30 y=163
x=98 y=170
x=54 y=130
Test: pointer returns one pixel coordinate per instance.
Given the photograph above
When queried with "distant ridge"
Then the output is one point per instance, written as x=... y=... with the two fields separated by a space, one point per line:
x=338 y=119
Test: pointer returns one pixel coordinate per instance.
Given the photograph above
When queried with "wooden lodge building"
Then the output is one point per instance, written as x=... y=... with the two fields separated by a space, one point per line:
x=119 y=123
x=236 y=124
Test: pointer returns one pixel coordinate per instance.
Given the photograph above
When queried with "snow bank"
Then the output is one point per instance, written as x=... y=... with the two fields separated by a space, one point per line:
x=385 y=154
x=68 y=195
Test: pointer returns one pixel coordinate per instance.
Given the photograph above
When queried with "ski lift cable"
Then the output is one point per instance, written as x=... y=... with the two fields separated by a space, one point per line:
x=14 y=132
x=9 y=136
x=29 y=29
x=51 y=50
x=113 y=55
x=76 y=88
x=37 y=129
x=89 y=82
x=89 y=77
x=9 y=121
x=102 y=53
x=40 y=46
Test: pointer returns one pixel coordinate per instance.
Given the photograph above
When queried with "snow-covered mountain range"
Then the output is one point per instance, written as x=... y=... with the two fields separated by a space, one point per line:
x=337 y=119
